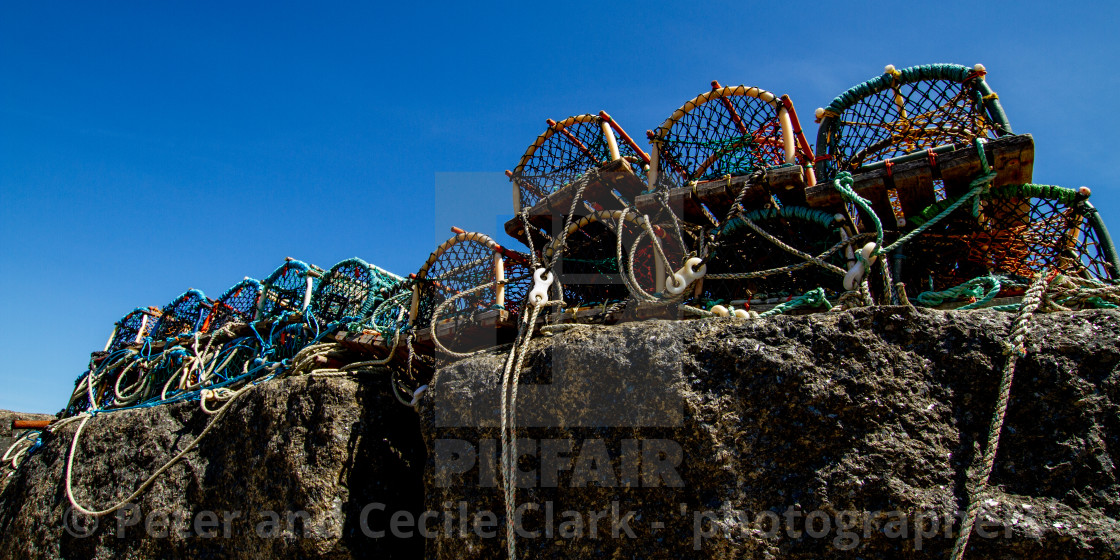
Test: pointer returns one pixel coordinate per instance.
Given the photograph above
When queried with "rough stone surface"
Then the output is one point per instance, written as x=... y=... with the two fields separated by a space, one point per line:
x=326 y=447
x=7 y=435
x=844 y=417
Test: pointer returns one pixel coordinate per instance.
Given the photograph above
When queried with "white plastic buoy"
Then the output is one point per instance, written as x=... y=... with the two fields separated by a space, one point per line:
x=688 y=273
x=542 y=279
x=719 y=310
x=819 y=113
x=889 y=69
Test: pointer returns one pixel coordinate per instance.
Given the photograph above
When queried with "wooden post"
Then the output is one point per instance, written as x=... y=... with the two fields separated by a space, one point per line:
x=654 y=163
x=30 y=424
x=499 y=280
x=612 y=143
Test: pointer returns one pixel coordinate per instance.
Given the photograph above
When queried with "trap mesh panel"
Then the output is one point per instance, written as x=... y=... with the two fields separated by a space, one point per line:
x=286 y=289
x=740 y=249
x=351 y=290
x=727 y=131
x=1021 y=229
x=184 y=315
x=588 y=269
x=901 y=112
x=462 y=263
x=519 y=280
x=237 y=305
x=132 y=327
x=234 y=359
x=562 y=153
x=391 y=315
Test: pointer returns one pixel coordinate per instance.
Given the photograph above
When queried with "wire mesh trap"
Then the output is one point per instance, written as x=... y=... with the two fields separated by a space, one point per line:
x=728 y=131
x=184 y=315
x=132 y=328
x=350 y=291
x=238 y=305
x=744 y=265
x=903 y=111
x=587 y=258
x=466 y=275
x=566 y=150
x=1018 y=231
x=287 y=290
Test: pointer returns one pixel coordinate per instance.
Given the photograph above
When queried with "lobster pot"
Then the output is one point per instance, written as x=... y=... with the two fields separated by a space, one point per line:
x=903 y=111
x=287 y=289
x=587 y=262
x=566 y=150
x=132 y=328
x=744 y=265
x=184 y=315
x=1019 y=231
x=728 y=131
x=351 y=290
x=237 y=305
x=232 y=361
x=466 y=275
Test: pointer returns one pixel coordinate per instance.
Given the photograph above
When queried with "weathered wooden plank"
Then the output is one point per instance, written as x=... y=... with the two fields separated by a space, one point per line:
x=788 y=184
x=1012 y=157
x=717 y=195
x=912 y=178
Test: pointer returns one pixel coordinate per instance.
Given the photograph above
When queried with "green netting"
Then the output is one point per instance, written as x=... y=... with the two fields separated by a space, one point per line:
x=898 y=113
x=350 y=291
x=237 y=305
x=184 y=315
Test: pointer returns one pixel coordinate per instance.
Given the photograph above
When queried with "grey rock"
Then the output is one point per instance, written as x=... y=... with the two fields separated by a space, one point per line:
x=861 y=419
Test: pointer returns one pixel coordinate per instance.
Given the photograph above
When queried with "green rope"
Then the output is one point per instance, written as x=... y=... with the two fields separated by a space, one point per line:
x=982 y=289
x=1027 y=190
x=812 y=298
x=798 y=212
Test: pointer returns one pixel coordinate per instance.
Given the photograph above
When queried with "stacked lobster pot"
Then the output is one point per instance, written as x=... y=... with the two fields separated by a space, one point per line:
x=918 y=191
x=926 y=160
x=574 y=193
x=733 y=164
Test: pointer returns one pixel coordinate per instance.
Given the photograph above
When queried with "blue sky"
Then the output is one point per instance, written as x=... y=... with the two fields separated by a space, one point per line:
x=149 y=148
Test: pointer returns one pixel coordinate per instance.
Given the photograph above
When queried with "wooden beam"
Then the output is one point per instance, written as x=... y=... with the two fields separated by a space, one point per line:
x=912 y=177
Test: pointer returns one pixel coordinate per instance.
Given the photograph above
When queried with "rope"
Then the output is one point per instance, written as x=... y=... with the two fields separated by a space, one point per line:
x=979 y=291
x=1014 y=348
x=151 y=479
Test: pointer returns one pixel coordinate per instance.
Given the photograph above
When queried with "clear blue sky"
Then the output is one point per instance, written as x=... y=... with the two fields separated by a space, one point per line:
x=152 y=147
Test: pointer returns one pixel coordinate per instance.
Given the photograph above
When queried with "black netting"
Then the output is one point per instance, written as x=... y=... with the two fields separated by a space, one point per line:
x=903 y=119
x=182 y=316
x=589 y=270
x=574 y=146
x=729 y=135
x=743 y=250
x=462 y=266
x=285 y=290
x=237 y=305
x=132 y=327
